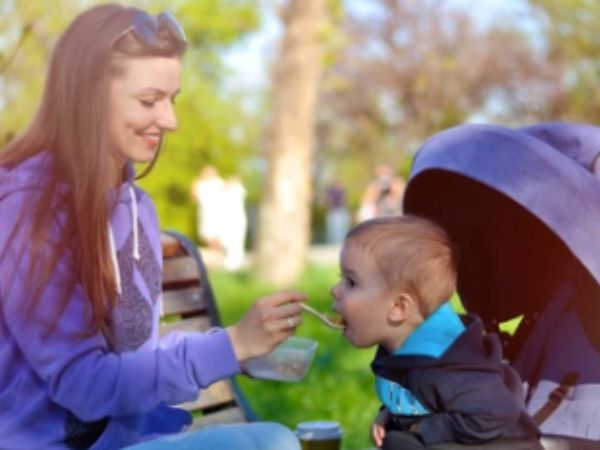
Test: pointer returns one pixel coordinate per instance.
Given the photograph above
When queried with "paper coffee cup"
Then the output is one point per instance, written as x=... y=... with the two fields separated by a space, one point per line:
x=319 y=435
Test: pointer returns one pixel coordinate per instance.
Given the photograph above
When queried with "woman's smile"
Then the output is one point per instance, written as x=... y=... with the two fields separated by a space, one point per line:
x=151 y=140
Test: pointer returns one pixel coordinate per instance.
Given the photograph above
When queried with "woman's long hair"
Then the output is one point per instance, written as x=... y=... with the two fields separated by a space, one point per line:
x=72 y=126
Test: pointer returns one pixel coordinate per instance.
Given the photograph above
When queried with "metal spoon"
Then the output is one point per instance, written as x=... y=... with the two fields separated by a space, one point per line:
x=322 y=317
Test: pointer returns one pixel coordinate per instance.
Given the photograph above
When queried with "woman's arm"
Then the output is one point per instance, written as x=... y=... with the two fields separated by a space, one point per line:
x=75 y=363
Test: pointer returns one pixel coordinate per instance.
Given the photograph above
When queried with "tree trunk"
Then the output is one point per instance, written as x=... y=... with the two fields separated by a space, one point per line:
x=284 y=221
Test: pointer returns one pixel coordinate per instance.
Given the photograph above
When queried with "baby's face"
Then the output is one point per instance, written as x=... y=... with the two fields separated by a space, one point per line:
x=361 y=298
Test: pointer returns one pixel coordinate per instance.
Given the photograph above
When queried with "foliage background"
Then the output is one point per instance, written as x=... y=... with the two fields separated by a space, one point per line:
x=397 y=72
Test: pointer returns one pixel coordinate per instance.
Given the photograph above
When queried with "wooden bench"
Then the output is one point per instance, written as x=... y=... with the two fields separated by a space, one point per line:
x=189 y=305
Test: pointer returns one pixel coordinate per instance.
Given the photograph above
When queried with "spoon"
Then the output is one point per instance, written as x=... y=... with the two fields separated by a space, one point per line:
x=327 y=320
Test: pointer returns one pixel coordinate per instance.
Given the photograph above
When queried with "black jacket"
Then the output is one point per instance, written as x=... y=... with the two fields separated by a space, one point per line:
x=474 y=397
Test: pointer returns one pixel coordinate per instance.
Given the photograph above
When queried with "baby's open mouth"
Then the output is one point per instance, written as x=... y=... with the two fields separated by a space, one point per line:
x=338 y=320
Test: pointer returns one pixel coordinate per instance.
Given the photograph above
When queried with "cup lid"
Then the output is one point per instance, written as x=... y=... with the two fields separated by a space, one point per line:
x=319 y=430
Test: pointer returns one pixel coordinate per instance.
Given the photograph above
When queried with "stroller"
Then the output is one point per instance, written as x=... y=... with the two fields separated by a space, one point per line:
x=523 y=208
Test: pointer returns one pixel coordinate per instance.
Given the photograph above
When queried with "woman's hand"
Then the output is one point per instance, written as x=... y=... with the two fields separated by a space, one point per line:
x=269 y=321
x=378 y=427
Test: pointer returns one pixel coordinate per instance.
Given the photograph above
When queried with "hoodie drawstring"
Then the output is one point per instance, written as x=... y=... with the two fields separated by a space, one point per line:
x=134 y=220
x=113 y=247
x=115 y=260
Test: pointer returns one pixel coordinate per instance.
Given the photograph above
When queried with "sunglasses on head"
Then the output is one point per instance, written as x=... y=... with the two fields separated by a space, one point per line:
x=146 y=27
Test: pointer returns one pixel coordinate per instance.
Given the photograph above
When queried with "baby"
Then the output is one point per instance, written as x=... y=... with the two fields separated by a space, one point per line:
x=439 y=377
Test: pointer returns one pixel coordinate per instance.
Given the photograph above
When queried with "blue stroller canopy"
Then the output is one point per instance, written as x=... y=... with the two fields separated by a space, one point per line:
x=523 y=215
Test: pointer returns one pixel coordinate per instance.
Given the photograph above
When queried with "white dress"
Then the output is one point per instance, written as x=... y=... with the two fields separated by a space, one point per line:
x=234 y=224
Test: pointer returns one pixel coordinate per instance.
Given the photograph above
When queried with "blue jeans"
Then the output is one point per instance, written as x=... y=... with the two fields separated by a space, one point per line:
x=246 y=436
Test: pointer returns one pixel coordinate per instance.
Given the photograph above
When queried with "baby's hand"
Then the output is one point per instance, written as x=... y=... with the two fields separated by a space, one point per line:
x=378 y=427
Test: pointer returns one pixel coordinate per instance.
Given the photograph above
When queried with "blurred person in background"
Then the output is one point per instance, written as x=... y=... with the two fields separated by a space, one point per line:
x=383 y=195
x=337 y=216
x=234 y=223
x=208 y=191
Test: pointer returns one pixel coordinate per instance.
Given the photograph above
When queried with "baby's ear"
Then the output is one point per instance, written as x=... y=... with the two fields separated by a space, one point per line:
x=402 y=307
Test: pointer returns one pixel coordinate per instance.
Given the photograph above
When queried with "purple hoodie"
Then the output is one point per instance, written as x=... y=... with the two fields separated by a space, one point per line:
x=61 y=390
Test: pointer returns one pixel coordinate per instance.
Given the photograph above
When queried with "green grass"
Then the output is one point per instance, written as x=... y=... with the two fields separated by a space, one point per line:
x=339 y=386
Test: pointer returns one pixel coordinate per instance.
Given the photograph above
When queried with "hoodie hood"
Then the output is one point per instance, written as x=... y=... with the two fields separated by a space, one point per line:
x=29 y=175
x=131 y=233
x=466 y=395
x=32 y=175
x=468 y=352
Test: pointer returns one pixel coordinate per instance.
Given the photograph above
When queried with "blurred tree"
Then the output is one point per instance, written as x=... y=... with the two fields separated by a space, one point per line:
x=410 y=69
x=284 y=223
x=572 y=46
x=396 y=72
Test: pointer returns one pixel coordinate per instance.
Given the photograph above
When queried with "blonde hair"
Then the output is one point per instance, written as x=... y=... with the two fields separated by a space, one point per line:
x=412 y=253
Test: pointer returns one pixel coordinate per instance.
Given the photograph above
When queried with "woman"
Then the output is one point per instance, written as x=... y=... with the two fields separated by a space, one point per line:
x=81 y=364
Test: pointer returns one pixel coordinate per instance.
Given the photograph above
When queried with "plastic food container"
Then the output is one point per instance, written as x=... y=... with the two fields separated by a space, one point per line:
x=289 y=361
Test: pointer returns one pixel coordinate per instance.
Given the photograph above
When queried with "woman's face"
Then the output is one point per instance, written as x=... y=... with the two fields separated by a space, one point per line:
x=141 y=107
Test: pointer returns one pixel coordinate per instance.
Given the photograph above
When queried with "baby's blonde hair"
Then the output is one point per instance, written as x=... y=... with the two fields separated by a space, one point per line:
x=412 y=253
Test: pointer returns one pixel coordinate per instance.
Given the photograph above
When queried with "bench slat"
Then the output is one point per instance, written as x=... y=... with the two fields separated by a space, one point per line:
x=229 y=415
x=184 y=301
x=195 y=324
x=189 y=306
x=181 y=269
x=216 y=394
